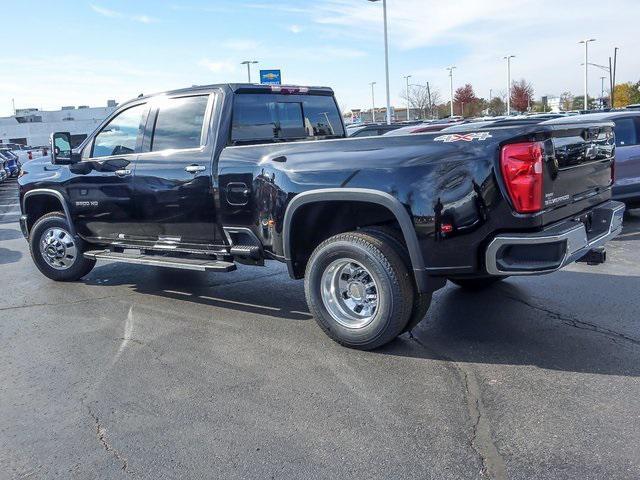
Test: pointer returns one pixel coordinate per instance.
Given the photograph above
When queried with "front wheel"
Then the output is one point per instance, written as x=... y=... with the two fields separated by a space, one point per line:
x=359 y=290
x=57 y=253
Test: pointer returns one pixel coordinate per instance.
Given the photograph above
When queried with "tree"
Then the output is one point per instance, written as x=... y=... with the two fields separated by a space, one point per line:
x=422 y=99
x=521 y=95
x=578 y=103
x=497 y=107
x=566 y=101
x=626 y=94
x=466 y=98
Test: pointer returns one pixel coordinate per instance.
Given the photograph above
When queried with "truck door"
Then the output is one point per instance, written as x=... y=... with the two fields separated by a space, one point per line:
x=101 y=188
x=174 y=190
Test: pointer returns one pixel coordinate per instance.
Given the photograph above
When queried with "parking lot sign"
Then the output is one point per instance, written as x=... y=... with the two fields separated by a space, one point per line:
x=270 y=77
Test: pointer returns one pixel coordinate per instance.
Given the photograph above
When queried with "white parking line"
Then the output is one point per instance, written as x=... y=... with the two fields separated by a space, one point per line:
x=10 y=205
x=13 y=212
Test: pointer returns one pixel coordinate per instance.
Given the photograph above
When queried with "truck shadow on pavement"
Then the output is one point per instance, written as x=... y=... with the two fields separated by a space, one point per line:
x=269 y=292
x=504 y=325
x=512 y=323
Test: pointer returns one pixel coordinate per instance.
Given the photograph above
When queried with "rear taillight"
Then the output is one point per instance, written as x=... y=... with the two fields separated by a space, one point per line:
x=521 y=165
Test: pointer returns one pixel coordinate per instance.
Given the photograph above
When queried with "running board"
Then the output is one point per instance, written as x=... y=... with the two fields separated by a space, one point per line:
x=184 y=263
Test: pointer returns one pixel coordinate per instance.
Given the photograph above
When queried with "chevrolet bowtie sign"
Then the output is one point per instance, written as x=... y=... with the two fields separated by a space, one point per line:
x=270 y=77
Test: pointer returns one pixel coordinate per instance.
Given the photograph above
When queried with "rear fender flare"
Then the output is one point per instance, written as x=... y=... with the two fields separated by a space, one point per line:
x=358 y=195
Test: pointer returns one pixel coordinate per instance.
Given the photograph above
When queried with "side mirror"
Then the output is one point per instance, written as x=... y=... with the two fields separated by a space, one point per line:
x=61 y=151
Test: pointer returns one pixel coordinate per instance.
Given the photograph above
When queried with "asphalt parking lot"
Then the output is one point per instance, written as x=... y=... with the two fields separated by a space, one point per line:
x=152 y=373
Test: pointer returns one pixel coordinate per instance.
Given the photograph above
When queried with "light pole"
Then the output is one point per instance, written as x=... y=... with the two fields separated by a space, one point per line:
x=408 y=102
x=373 y=102
x=602 y=93
x=451 y=69
x=386 y=57
x=586 y=70
x=248 y=63
x=508 y=59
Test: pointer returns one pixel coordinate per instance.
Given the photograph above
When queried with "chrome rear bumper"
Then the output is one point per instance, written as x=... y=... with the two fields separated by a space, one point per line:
x=555 y=246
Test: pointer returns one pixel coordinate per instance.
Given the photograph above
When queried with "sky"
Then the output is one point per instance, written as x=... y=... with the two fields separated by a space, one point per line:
x=86 y=52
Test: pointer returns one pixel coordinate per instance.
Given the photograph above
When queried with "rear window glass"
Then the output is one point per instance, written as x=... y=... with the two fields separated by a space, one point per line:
x=626 y=133
x=268 y=117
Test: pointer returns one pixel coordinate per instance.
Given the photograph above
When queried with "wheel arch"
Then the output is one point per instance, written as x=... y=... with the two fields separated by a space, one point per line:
x=361 y=195
x=27 y=201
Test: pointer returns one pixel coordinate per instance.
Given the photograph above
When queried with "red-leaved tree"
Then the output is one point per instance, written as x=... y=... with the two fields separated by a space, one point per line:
x=521 y=95
x=465 y=95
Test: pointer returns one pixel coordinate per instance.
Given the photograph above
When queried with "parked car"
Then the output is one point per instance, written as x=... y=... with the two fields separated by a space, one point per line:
x=425 y=127
x=627 y=166
x=4 y=171
x=370 y=129
x=217 y=175
x=11 y=161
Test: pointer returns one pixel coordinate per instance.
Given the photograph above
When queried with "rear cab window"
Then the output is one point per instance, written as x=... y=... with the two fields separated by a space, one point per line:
x=626 y=132
x=180 y=124
x=264 y=117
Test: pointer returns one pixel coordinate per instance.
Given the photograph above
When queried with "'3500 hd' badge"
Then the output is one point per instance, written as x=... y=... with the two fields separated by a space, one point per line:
x=462 y=137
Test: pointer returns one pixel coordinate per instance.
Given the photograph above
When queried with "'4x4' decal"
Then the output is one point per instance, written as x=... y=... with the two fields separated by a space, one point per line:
x=462 y=137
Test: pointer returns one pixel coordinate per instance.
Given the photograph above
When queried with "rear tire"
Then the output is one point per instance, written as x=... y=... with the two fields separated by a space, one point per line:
x=475 y=284
x=57 y=254
x=358 y=289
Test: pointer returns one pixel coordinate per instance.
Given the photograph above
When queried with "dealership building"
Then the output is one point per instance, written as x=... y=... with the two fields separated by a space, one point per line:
x=32 y=127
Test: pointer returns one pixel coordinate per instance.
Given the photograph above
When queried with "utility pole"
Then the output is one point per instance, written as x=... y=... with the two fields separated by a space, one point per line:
x=586 y=70
x=508 y=59
x=615 y=66
x=451 y=69
x=429 y=97
x=13 y=103
x=373 y=102
x=490 y=94
x=408 y=102
x=248 y=63
x=602 y=93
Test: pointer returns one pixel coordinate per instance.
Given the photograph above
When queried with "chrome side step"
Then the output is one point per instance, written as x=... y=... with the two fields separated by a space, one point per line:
x=185 y=263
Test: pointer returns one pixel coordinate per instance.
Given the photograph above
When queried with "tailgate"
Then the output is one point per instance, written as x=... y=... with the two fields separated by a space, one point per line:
x=579 y=162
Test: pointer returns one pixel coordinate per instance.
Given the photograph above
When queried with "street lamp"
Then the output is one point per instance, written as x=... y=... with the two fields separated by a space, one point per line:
x=451 y=69
x=373 y=102
x=248 y=63
x=508 y=59
x=586 y=70
x=386 y=57
x=408 y=103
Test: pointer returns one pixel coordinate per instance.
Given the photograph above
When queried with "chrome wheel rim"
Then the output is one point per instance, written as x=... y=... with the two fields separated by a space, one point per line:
x=58 y=248
x=349 y=293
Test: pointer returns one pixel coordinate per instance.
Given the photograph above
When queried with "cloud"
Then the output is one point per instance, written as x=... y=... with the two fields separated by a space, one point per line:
x=107 y=12
x=295 y=28
x=224 y=66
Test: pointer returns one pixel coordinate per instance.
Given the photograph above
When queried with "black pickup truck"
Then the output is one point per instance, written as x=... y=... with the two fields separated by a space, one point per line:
x=208 y=177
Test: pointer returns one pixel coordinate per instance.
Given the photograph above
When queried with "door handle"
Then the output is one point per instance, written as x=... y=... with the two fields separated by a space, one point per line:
x=123 y=173
x=280 y=159
x=195 y=168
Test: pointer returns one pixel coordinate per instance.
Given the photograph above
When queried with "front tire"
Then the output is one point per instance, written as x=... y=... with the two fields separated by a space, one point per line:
x=358 y=289
x=58 y=254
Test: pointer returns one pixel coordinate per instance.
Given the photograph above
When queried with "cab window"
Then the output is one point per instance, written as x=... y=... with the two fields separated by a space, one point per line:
x=120 y=135
x=179 y=123
x=626 y=132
